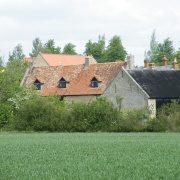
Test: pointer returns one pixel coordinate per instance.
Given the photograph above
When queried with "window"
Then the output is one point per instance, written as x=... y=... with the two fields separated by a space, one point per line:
x=94 y=83
x=62 y=83
x=38 y=84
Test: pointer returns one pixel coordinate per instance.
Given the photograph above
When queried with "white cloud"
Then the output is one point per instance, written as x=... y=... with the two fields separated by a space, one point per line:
x=77 y=21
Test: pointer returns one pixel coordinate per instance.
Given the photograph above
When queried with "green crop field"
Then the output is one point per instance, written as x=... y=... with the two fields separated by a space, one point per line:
x=87 y=156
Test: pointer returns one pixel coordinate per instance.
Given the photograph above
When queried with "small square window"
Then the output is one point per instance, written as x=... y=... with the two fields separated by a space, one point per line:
x=62 y=84
x=38 y=86
x=94 y=84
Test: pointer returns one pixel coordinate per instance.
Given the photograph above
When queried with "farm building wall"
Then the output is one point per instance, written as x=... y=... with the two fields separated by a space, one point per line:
x=133 y=97
x=80 y=98
x=39 y=61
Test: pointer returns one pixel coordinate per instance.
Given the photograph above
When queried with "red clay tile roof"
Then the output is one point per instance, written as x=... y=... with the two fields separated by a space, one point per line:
x=79 y=78
x=65 y=60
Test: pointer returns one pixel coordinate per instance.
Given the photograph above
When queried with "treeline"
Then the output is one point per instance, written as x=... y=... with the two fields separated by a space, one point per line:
x=157 y=50
x=50 y=114
x=112 y=52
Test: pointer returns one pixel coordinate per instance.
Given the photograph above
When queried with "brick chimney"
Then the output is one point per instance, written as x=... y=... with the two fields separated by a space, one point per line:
x=175 y=64
x=164 y=61
x=88 y=61
x=146 y=63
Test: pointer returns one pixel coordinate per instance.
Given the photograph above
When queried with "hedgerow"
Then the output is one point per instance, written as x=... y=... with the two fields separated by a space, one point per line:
x=50 y=114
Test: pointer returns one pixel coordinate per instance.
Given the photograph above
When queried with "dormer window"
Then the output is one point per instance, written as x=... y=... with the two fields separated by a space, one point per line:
x=63 y=83
x=94 y=82
x=38 y=84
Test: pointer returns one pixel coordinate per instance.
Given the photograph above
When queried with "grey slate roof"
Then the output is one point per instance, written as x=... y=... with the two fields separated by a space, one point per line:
x=158 y=83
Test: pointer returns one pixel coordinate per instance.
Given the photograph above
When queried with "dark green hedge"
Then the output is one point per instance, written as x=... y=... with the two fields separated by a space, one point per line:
x=50 y=114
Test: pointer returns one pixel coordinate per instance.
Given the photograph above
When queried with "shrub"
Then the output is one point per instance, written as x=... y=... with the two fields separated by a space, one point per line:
x=93 y=116
x=133 y=120
x=39 y=114
x=168 y=119
x=5 y=114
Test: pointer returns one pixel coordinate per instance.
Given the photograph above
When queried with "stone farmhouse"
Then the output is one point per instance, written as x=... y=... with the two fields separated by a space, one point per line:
x=137 y=87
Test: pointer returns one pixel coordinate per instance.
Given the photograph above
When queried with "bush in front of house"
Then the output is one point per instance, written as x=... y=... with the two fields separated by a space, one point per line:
x=168 y=119
x=96 y=115
x=133 y=120
x=40 y=114
x=50 y=114
x=6 y=114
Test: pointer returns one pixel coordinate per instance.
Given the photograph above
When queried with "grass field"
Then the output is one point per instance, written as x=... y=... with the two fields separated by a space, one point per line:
x=89 y=156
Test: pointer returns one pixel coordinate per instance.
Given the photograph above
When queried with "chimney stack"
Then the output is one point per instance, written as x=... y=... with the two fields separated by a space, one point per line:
x=146 y=63
x=164 y=61
x=152 y=65
x=175 y=64
x=130 y=62
x=88 y=61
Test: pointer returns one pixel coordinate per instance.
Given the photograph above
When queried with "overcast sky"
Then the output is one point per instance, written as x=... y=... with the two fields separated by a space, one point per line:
x=77 y=21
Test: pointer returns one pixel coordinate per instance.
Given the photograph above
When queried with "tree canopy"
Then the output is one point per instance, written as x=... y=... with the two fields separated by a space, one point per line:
x=37 y=47
x=158 y=50
x=69 y=49
x=113 y=52
x=17 y=53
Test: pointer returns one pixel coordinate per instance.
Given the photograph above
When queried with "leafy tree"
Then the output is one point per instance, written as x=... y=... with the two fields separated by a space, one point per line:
x=96 y=49
x=49 y=47
x=69 y=49
x=11 y=78
x=17 y=53
x=153 y=47
x=115 y=50
x=37 y=47
x=164 y=49
x=1 y=63
x=177 y=55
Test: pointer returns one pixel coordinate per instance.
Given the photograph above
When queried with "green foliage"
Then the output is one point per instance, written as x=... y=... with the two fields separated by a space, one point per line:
x=37 y=47
x=96 y=49
x=39 y=114
x=168 y=119
x=69 y=49
x=153 y=47
x=93 y=116
x=49 y=47
x=132 y=120
x=115 y=50
x=90 y=156
x=17 y=53
x=177 y=55
x=5 y=114
x=164 y=49
x=11 y=78
x=158 y=50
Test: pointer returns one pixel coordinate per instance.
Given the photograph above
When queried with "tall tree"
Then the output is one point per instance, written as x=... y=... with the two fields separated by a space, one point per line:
x=1 y=63
x=17 y=53
x=96 y=49
x=164 y=49
x=11 y=78
x=37 y=47
x=49 y=47
x=177 y=55
x=153 y=47
x=69 y=49
x=115 y=50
